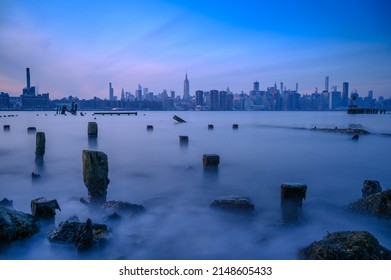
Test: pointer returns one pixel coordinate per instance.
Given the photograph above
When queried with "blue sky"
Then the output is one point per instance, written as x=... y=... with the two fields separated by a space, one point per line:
x=78 y=47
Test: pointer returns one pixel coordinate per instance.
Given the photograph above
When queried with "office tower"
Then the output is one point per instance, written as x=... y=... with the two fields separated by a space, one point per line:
x=281 y=87
x=214 y=100
x=199 y=98
x=345 y=94
x=297 y=87
x=139 y=93
x=223 y=100
x=370 y=94
x=111 y=92
x=28 y=78
x=326 y=86
x=122 y=95
x=256 y=87
x=186 y=89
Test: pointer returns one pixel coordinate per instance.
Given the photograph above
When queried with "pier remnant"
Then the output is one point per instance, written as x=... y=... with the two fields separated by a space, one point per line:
x=211 y=160
x=235 y=126
x=178 y=119
x=44 y=208
x=95 y=172
x=31 y=129
x=92 y=129
x=7 y=127
x=183 y=140
x=40 y=144
x=370 y=187
x=292 y=195
x=149 y=127
x=210 y=126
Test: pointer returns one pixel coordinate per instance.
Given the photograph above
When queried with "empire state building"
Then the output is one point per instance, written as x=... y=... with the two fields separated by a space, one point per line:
x=186 y=89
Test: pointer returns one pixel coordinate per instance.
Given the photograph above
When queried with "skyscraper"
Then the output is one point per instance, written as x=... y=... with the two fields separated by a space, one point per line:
x=28 y=78
x=345 y=94
x=186 y=89
x=326 y=84
x=111 y=92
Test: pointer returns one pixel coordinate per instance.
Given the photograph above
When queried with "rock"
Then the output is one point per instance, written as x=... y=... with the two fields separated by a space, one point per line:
x=292 y=195
x=378 y=205
x=40 y=144
x=7 y=203
x=122 y=208
x=178 y=119
x=236 y=204
x=83 y=235
x=370 y=187
x=95 y=171
x=15 y=225
x=210 y=160
x=44 y=208
x=92 y=129
x=346 y=245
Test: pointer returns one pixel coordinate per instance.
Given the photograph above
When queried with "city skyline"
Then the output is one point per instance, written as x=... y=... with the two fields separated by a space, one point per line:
x=76 y=48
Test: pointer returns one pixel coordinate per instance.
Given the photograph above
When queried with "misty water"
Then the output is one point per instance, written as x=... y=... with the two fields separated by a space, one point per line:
x=151 y=168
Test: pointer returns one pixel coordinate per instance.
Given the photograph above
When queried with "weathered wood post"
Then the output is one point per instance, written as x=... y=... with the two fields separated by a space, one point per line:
x=40 y=144
x=6 y=127
x=149 y=127
x=211 y=160
x=292 y=195
x=92 y=130
x=183 y=140
x=44 y=208
x=210 y=126
x=235 y=126
x=31 y=129
x=95 y=172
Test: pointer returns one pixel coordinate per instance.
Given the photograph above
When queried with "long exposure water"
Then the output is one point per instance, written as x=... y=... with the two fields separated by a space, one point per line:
x=152 y=169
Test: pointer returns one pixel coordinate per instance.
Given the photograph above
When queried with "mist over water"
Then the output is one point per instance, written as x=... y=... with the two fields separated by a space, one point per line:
x=151 y=168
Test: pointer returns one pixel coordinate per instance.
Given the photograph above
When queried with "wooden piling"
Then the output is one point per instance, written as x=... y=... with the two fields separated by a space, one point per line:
x=92 y=129
x=40 y=144
x=292 y=195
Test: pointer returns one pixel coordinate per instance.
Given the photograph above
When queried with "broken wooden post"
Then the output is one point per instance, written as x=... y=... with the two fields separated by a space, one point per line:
x=31 y=129
x=210 y=126
x=235 y=126
x=292 y=195
x=92 y=129
x=149 y=127
x=6 y=127
x=95 y=171
x=40 y=144
x=178 y=119
x=44 y=208
x=183 y=139
x=211 y=160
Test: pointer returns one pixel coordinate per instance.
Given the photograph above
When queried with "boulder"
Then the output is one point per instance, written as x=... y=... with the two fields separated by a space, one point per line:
x=44 y=208
x=15 y=225
x=378 y=205
x=83 y=236
x=346 y=245
x=370 y=187
x=95 y=171
x=235 y=204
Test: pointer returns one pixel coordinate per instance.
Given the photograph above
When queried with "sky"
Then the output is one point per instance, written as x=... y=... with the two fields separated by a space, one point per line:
x=76 y=47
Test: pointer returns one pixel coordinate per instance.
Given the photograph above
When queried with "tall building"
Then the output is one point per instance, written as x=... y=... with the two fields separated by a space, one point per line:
x=199 y=98
x=326 y=84
x=256 y=87
x=345 y=94
x=214 y=100
x=186 y=89
x=111 y=92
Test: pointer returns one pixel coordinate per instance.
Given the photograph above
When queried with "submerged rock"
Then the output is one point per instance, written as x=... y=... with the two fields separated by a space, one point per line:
x=377 y=204
x=236 y=204
x=370 y=187
x=15 y=225
x=346 y=245
x=116 y=209
x=83 y=235
x=44 y=208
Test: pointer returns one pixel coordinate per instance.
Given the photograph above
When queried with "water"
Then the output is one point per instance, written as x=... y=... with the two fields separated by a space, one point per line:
x=152 y=169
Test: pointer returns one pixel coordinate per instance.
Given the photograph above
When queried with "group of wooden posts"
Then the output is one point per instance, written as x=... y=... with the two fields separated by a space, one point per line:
x=95 y=174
